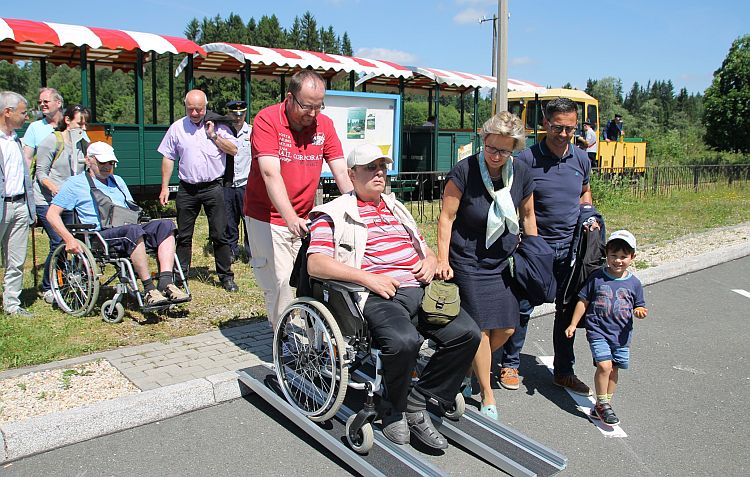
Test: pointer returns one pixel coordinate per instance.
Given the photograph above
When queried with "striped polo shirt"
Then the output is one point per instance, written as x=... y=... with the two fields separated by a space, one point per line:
x=389 y=250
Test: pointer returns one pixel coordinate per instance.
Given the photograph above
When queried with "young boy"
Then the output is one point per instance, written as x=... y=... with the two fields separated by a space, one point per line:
x=610 y=298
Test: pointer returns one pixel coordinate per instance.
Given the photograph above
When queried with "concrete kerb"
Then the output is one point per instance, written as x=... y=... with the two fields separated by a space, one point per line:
x=43 y=433
x=39 y=434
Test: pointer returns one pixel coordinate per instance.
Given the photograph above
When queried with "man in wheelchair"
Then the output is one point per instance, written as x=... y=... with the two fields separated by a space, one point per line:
x=371 y=239
x=79 y=193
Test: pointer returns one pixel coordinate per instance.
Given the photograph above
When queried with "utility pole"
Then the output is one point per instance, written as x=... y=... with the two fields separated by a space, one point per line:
x=494 y=50
x=501 y=103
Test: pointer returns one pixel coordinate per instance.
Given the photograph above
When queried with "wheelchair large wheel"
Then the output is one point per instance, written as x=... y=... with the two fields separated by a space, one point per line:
x=74 y=279
x=309 y=356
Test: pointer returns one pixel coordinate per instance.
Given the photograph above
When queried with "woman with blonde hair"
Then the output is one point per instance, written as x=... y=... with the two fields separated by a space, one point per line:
x=488 y=198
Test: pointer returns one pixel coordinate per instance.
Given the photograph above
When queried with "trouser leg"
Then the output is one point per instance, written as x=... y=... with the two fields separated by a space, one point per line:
x=274 y=251
x=233 y=219
x=457 y=344
x=188 y=206
x=391 y=327
x=213 y=202
x=563 y=346
x=509 y=355
x=15 y=241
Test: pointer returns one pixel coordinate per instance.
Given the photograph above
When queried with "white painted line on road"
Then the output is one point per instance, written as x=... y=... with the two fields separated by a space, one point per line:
x=585 y=404
x=744 y=293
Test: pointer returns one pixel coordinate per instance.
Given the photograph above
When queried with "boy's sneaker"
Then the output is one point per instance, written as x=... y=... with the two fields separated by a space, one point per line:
x=573 y=384
x=175 y=294
x=605 y=413
x=155 y=298
x=509 y=378
x=48 y=297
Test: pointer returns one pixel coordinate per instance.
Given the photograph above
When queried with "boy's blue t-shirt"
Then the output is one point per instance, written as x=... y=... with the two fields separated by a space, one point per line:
x=611 y=301
x=557 y=192
x=75 y=194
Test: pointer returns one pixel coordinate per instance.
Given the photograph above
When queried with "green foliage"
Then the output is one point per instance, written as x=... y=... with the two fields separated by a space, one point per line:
x=15 y=77
x=727 y=101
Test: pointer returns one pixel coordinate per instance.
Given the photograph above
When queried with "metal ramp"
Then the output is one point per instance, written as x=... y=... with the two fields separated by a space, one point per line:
x=490 y=441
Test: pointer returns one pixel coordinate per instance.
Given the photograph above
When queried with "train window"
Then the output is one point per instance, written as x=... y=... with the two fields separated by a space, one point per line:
x=591 y=115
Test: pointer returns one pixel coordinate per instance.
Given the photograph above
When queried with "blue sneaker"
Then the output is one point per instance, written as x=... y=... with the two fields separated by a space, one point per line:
x=490 y=411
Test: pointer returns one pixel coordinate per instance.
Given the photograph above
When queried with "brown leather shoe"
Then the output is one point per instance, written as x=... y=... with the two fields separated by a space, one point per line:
x=573 y=384
x=509 y=378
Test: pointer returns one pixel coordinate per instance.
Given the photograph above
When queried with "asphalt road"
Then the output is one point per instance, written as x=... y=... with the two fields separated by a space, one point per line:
x=681 y=404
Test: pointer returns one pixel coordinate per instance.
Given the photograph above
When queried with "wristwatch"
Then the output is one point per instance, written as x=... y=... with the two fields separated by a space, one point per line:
x=213 y=138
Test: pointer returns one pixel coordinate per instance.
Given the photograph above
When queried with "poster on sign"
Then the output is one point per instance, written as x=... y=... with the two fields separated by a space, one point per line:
x=366 y=118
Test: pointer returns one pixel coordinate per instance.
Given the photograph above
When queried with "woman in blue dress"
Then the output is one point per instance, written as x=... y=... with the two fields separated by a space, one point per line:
x=488 y=198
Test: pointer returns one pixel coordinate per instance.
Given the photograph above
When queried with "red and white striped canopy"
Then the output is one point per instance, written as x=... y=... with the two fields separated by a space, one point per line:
x=223 y=58
x=449 y=81
x=58 y=43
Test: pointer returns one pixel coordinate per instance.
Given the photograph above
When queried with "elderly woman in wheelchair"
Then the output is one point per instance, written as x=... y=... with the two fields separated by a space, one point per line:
x=370 y=240
x=109 y=227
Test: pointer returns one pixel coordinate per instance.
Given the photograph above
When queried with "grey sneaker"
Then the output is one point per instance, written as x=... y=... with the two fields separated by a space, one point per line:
x=395 y=427
x=421 y=427
x=175 y=294
x=48 y=297
x=21 y=312
x=155 y=298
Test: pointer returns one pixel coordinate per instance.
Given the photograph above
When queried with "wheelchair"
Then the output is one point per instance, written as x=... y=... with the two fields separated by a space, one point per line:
x=76 y=279
x=320 y=346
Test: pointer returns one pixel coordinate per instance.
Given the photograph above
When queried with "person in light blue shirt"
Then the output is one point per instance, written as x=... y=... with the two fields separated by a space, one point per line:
x=130 y=240
x=51 y=106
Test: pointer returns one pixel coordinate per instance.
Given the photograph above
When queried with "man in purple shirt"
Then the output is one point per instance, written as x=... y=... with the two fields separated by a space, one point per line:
x=200 y=147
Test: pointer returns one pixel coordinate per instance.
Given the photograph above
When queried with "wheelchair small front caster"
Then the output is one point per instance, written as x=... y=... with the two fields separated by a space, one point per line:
x=360 y=440
x=457 y=410
x=112 y=314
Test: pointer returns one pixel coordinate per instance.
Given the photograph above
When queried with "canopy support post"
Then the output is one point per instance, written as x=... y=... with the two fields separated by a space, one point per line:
x=351 y=81
x=436 y=127
x=462 y=110
x=189 y=81
x=139 y=115
x=248 y=91
x=171 y=88
x=92 y=73
x=43 y=71
x=84 y=78
x=282 y=87
x=154 y=119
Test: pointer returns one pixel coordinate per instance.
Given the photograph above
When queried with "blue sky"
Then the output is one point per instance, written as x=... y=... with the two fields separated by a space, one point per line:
x=549 y=42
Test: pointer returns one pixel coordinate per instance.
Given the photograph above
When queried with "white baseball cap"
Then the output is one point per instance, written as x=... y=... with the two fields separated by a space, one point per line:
x=101 y=151
x=365 y=154
x=623 y=235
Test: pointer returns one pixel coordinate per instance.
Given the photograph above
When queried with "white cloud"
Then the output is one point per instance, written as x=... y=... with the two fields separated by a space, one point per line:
x=521 y=61
x=396 y=56
x=469 y=15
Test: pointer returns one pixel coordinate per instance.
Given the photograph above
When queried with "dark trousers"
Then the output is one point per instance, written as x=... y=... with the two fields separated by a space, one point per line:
x=234 y=199
x=593 y=159
x=190 y=198
x=54 y=239
x=563 y=346
x=394 y=327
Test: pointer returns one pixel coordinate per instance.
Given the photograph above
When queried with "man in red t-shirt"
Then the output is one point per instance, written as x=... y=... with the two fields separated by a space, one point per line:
x=289 y=142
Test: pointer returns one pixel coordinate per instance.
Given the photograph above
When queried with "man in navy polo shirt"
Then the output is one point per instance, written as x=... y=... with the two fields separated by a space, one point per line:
x=561 y=175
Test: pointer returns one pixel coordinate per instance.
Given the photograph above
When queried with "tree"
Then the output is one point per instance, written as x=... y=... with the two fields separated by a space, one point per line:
x=294 y=35
x=270 y=33
x=310 y=37
x=606 y=91
x=192 y=30
x=346 y=45
x=15 y=77
x=727 y=101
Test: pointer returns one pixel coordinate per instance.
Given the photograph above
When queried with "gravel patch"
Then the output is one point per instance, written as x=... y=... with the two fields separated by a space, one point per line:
x=44 y=392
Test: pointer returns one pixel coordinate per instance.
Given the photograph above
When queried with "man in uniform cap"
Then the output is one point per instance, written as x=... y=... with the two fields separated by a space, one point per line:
x=235 y=176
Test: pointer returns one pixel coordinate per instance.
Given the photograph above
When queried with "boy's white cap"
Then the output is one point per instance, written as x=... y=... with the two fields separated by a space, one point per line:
x=101 y=151
x=623 y=235
x=365 y=154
